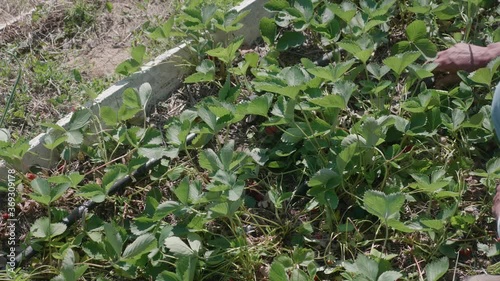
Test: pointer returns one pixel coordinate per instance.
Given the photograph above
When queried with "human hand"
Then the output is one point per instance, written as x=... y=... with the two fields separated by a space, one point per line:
x=462 y=56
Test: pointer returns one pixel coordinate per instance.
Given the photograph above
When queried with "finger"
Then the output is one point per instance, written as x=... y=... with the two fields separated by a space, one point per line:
x=498 y=228
x=442 y=64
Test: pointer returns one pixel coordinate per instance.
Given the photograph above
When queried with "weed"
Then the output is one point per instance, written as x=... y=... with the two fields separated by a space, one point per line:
x=81 y=16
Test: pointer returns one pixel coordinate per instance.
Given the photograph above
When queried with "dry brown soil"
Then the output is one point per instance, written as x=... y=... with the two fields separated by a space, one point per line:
x=108 y=47
x=98 y=49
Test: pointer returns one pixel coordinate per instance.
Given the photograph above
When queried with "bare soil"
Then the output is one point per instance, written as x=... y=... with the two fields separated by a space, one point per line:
x=103 y=50
x=97 y=49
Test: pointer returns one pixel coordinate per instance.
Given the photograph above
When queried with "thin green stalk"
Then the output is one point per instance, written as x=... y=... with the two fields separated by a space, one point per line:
x=314 y=141
x=13 y=91
x=384 y=247
x=469 y=21
x=50 y=235
x=376 y=234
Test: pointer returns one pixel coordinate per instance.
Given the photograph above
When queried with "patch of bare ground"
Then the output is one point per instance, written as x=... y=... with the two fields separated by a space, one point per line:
x=102 y=50
x=16 y=8
x=96 y=46
x=12 y=11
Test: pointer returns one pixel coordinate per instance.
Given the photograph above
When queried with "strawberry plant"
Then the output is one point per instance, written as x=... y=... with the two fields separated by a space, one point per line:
x=343 y=165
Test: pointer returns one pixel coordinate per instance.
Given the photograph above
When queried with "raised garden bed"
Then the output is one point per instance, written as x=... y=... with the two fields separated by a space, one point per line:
x=317 y=153
x=164 y=74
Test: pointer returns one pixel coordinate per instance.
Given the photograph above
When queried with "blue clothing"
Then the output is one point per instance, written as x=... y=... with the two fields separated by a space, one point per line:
x=495 y=110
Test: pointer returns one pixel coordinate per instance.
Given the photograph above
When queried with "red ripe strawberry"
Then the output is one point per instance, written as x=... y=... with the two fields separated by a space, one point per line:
x=466 y=252
x=407 y=148
x=271 y=130
x=30 y=176
x=5 y=216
